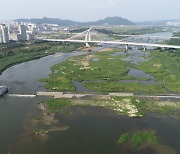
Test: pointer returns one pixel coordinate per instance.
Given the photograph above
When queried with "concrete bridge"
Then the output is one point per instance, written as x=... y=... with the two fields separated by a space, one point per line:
x=116 y=42
x=148 y=36
x=88 y=40
x=87 y=36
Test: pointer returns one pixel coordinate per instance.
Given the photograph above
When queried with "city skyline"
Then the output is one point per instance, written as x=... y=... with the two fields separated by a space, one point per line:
x=136 y=10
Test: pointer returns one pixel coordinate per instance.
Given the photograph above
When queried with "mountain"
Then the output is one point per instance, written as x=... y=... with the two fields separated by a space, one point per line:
x=60 y=22
x=50 y=21
x=111 y=21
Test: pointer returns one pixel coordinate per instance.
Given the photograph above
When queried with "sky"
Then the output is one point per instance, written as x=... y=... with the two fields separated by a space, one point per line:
x=91 y=10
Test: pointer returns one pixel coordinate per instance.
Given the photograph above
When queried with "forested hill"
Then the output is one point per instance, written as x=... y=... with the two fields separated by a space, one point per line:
x=60 y=22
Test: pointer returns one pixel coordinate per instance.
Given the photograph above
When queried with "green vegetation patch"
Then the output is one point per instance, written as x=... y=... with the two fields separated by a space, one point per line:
x=139 y=138
x=57 y=104
x=38 y=131
x=175 y=41
x=150 y=137
x=165 y=67
x=165 y=108
x=129 y=106
x=37 y=117
x=103 y=75
x=82 y=68
x=124 y=138
x=11 y=54
x=124 y=87
x=130 y=30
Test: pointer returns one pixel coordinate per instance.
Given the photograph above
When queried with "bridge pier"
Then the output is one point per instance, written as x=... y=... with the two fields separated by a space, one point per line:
x=144 y=48
x=87 y=45
x=163 y=48
x=127 y=47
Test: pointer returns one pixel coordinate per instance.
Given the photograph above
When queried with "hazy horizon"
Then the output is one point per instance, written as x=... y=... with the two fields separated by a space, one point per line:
x=83 y=10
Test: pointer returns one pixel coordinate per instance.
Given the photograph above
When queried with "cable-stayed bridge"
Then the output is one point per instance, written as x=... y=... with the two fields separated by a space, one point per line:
x=87 y=40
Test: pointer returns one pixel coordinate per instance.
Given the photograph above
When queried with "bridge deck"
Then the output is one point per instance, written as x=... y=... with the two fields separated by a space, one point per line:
x=115 y=42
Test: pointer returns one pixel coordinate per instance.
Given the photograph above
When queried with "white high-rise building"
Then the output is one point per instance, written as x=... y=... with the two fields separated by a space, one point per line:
x=23 y=34
x=4 y=34
x=31 y=28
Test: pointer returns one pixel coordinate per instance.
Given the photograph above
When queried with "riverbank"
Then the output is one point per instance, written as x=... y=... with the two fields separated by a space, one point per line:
x=15 y=112
x=13 y=54
x=129 y=106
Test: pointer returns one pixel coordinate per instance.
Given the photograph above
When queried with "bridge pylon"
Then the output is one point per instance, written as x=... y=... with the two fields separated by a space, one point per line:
x=88 y=37
x=144 y=48
x=127 y=47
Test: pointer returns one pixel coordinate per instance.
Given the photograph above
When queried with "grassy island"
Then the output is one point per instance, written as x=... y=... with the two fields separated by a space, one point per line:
x=129 y=106
x=139 y=138
x=100 y=72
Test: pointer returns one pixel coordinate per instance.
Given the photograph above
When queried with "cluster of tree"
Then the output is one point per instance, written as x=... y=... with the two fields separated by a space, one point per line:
x=176 y=34
x=32 y=49
x=6 y=53
x=11 y=46
x=37 y=46
x=174 y=42
x=12 y=49
x=134 y=31
x=104 y=31
x=78 y=30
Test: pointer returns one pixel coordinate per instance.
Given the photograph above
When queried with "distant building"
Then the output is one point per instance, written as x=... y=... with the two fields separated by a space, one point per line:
x=176 y=24
x=0 y=37
x=31 y=28
x=19 y=38
x=13 y=37
x=4 y=34
x=22 y=36
x=30 y=36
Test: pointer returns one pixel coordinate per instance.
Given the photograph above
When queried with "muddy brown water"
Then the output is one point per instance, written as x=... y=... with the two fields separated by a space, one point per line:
x=95 y=130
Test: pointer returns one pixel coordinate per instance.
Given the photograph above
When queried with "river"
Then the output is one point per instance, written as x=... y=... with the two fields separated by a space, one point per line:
x=92 y=130
x=23 y=79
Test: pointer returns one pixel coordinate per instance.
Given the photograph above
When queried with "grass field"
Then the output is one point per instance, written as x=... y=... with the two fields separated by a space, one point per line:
x=103 y=75
x=131 y=30
x=165 y=67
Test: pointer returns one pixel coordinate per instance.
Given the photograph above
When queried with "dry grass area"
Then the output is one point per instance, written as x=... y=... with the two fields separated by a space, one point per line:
x=133 y=107
x=87 y=48
x=83 y=61
x=124 y=106
x=169 y=108
x=106 y=50
x=157 y=65
x=86 y=61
